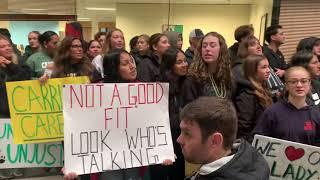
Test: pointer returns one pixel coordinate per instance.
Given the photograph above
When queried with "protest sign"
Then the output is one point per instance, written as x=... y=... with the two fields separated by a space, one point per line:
x=289 y=160
x=116 y=126
x=27 y=155
x=36 y=110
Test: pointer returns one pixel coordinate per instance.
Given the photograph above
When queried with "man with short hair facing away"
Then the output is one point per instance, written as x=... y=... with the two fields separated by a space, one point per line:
x=275 y=37
x=194 y=39
x=241 y=33
x=208 y=137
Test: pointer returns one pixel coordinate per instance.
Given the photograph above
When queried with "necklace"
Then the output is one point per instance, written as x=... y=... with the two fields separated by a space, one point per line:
x=222 y=93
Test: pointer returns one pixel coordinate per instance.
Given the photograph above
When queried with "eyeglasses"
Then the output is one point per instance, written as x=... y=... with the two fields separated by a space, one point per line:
x=296 y=81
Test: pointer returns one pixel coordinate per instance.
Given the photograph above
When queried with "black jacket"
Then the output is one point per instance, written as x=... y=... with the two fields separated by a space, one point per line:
x=193 y=89
x=248 y=109
x=276 y=59
x=149 y=69
x=233 y=51
x=313 y=98
x=237 y=70
x=13 y=72
x=189 y=55
x=247 y=164
x=175 y=106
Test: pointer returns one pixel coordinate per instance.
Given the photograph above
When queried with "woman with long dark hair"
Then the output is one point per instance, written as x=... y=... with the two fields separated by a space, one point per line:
x=253 y=95
x=70 y=61
x=173 y=70
x=119 y=67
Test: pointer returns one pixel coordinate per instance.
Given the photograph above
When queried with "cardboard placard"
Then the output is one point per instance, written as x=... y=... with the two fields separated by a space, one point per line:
x=289 y=160
x=116 y=126
x=36 y=110
x=27 y=155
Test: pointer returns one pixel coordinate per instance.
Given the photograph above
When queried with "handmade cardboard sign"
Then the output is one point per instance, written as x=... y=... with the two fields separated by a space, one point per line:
x=115 y=126
x=27 y=155
x=289 y=160
x=36 y=110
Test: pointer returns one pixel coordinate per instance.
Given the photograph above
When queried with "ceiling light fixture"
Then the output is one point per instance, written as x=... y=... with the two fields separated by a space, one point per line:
x=27 y=9
x=99 y=9
x=84 y=19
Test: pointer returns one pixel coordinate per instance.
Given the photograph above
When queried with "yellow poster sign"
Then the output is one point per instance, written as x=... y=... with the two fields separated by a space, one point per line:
x=36 y=110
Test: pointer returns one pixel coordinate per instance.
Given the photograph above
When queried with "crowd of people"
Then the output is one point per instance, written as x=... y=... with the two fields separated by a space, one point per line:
x=271 y=96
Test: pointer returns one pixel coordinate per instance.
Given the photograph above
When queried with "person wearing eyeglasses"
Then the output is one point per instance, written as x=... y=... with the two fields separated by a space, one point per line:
x=292 y=118
x=70 y=61
x=310 y=61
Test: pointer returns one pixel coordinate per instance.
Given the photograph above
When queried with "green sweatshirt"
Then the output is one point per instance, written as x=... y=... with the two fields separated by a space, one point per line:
x=38 y=63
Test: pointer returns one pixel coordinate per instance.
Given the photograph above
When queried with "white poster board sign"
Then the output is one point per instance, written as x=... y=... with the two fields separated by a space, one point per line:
x=27 y=155
x=116 y=126
x=289 y=160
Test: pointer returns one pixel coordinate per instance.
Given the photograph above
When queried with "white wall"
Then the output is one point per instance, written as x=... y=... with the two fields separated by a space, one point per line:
x=135 y=19
x=258 y=9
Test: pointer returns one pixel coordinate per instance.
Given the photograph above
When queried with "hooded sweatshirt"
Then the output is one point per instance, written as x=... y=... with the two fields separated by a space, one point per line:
x=284 y=121
x=244 y=164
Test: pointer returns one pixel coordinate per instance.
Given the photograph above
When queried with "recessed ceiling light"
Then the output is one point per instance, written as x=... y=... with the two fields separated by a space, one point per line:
x=100 y=9
x=27 y=9
x=84 y=19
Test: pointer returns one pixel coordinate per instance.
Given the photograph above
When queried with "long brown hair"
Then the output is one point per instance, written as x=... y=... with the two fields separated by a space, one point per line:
x=250 y=69
x=62 y=60
x=198 y=70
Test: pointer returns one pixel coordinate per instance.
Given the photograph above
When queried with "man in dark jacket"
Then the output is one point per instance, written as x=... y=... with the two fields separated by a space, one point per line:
x=208 y=131
x=194 y=38
x=240 y=34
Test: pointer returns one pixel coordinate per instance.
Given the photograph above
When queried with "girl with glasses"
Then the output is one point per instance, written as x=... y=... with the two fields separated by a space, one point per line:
x=292 y=118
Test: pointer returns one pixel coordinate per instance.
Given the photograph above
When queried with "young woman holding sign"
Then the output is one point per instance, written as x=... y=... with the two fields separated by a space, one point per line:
x=119 y=67
x=70 y=61
x=292 y=118
x=10 y=70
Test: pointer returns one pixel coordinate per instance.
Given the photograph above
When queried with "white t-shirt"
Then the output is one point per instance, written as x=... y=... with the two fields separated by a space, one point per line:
x=98 y=63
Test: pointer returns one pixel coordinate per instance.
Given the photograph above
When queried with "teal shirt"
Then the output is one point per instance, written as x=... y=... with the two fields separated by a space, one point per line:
x=38 y=63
